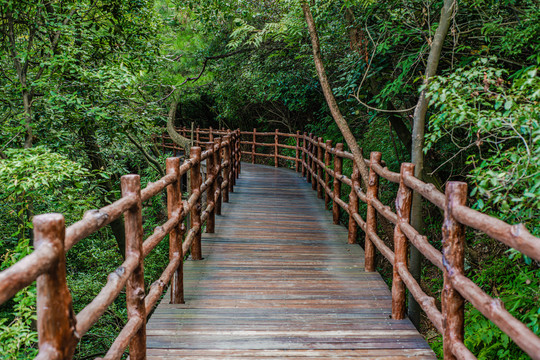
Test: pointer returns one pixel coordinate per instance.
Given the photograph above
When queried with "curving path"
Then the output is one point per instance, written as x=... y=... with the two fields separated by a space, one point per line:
x=279 y=281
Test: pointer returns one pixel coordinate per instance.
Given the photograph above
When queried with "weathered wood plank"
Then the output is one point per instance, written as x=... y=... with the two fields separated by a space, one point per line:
x=278 y=280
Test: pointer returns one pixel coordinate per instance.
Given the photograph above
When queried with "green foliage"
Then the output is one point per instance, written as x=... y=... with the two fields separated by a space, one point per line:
x=37 y=170
x=479 y=109
x=30 y=178
x=17 y=334
x=78 y=75
x=517 y=286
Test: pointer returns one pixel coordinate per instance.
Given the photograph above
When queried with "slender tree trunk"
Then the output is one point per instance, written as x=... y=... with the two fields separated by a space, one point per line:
x=336 y=113
x=417 y=158
x=28 y=142
x=329 y=96
x=27 y=105
x=98 y=163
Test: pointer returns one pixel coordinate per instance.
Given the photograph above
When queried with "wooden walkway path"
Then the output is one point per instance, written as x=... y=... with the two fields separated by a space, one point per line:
x=279 y=281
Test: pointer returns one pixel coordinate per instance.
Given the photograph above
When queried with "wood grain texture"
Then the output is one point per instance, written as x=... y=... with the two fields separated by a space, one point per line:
x=279 y=281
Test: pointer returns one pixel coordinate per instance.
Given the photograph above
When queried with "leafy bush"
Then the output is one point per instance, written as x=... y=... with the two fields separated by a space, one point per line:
x=495 y=119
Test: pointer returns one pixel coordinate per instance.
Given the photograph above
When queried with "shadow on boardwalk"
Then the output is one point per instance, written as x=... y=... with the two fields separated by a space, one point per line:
x=279 y=280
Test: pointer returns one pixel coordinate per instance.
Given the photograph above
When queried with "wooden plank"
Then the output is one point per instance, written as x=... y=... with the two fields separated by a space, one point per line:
x=278 y=280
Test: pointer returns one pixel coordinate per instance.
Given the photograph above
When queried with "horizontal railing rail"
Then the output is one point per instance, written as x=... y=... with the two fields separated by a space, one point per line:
x=59 y=328
x=322 y=165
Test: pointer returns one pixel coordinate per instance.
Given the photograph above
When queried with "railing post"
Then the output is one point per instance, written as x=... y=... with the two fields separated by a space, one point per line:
x=56 y=322
x=197 y=137
x=453 y=239
x=234 y=158
x=210 y=135
x=195 y=217
x=276 y=151
x=253 y=145
x=371 y=216
x=174 y=208
x=353 y=204
x=297 y=152
x=327 y=161
x=232 y=155
x=320 y=186
x=403 y=210
x=308 y=157
x=210 y=193
x=238 y=153
x=338 y=165
x=227 y=169
x=131 y=185
x=304 y=160
x=219 y=178
x=314 y=153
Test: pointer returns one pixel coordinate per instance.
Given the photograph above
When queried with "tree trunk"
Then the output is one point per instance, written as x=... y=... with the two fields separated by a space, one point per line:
x=27 y=104
x=417 y=157
x=329 y=96
x=175 y=136
x=97 y=163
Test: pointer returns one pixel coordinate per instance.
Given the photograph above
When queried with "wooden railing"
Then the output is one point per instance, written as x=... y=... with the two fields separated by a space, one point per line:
x=59 y=329
x=321 y=164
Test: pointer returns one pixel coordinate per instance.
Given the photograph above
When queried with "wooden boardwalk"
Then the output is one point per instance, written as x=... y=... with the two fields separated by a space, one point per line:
x=279 y=280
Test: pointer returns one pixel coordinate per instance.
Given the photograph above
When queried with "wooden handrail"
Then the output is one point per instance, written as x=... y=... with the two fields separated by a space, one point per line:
x=449 y=320
x=59 y=329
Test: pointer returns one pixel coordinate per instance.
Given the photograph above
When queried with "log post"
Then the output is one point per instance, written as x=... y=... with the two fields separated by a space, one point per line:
x=197 y=137
x=314 y=171
x=219 y=170
x=371 y=216
x=276 y=149
x=131 y=185
x=338 y=166
x=227 y=169
x=453 y=240
x=195 y=217
x=238 y=154
x=304 y=160
x=253 y=148
x=232 y=156
x=55 y=316
x=210 y=134
x=320 y=157
x=403 y=210
x=308 y=157
x=174 y=208
x=353 y=204
x=297 y=152
x=327 y=161
x=210 y=193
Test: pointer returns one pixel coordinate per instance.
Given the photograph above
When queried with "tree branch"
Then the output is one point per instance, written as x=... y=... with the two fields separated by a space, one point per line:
x=175 y=137
x=155 y=164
